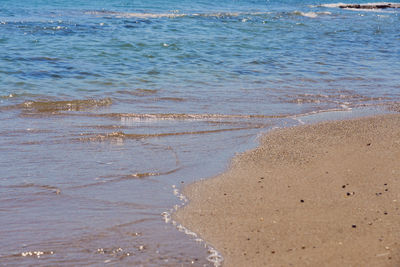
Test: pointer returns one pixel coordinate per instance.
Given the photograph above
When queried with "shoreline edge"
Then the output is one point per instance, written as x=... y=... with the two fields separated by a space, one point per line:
x=319 y=194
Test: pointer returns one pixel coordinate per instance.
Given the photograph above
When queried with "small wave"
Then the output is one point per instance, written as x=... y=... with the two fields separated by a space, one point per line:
x=171 y=15
x=173 y=99
x=138 y=92
x=50 y=188
x=183 y=116
x=8 y=96
x=311 y=14
x=120 y=178
x=17 y=95
x=341 y=98
x=122 y=135
x=55 y=106
x=134 y=14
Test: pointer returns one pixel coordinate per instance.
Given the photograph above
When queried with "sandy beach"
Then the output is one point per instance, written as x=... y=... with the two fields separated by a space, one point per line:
x=315 y=195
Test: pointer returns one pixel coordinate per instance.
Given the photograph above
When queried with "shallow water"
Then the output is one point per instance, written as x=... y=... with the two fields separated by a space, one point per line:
x=105 y=105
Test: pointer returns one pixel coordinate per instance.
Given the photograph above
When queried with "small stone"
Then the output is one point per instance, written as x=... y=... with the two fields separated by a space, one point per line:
x=354 y=226
x=302 y=200
x=273 y=251
x=368 y=144
x=344 y=186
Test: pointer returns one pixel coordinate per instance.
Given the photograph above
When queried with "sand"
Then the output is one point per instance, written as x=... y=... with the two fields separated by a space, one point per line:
x=316 y=195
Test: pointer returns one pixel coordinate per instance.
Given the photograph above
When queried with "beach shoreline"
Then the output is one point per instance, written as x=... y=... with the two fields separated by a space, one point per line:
x=321 y=194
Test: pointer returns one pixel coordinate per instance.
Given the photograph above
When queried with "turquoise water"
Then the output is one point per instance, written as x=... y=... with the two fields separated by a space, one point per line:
x=105 y=105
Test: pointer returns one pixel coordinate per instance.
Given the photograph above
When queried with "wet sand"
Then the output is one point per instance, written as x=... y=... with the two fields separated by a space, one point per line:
x=315 y=195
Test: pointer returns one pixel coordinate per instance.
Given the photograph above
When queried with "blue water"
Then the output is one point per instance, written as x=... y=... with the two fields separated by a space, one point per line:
x=105 y=105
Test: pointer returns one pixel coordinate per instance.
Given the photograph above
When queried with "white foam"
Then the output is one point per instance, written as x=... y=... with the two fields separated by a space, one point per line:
x=333 y=5
x=214 y=256
x=309 y=14
x=135 y=15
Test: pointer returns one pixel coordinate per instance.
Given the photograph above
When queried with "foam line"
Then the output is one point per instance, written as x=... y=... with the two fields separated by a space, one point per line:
x=214 y=256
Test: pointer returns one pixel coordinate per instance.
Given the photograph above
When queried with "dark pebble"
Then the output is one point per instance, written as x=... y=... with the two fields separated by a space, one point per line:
x=368 y=144
x=385 y=213
x=344 y=186
x=354 y=226
x=302 y=201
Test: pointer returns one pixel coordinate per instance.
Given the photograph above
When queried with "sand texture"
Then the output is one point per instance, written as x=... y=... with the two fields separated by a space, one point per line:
x=316 y=195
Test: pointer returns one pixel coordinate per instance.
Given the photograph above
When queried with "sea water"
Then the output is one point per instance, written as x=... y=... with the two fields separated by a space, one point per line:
x=107 y=107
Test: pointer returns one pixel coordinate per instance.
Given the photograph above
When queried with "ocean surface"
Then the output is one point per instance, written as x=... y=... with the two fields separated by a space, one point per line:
x=107 y=108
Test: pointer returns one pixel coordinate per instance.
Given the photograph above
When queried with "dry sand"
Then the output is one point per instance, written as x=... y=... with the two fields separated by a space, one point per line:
x=316 y=195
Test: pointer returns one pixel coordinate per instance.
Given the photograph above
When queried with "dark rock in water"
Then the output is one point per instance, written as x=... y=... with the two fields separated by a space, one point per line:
x=371 y=6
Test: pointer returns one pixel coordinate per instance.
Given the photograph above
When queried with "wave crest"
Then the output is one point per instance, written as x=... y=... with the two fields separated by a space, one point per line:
x=72 y=105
